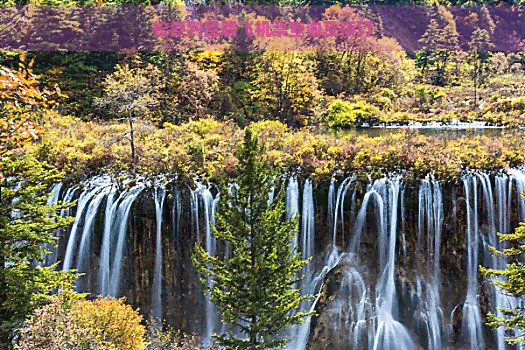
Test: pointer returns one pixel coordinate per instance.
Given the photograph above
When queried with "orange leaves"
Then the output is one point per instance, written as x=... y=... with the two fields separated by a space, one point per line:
x=23 y=106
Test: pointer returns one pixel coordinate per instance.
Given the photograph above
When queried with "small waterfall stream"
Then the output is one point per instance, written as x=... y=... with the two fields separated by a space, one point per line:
x=384 y=242
x=209 y=203
x=471 y=311
x=160 y=195
x=53 y=199
x=292 y=204
x=430 y=216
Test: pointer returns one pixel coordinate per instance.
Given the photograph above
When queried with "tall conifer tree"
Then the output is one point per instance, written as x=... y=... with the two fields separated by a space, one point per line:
x=254 y=289
x=27 y=224
x=511 y=281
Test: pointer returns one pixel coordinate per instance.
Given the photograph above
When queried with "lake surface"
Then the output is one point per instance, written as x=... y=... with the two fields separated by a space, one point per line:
x=452 y=130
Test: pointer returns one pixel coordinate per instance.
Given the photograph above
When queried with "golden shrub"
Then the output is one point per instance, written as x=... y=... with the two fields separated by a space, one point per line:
x=102 y=324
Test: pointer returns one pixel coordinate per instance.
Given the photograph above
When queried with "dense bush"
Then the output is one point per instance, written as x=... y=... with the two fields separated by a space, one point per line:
x=189 y=93
x=343 y=114
x=66 y=323
x=513 y=106
x=427 y=98
x=169 y=339
x=205 y=148
x=283 y=88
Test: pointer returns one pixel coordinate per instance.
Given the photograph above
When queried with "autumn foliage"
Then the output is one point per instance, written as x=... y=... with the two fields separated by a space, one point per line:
x=105 y=323
x=24 y=108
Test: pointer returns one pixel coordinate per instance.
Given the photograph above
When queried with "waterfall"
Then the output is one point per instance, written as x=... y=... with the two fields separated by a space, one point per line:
x=51 y=258
x=361 y=217
x=292 y=203
x=380 y=302
x=390 y=334
x=503 y=190
x=121 y=224
x=339 y=205
x=354 y=295
x=471 y=311
x=331 y=199
x=209 y=204
x=160 y=194
x=105 y=256
x=84 y=252
x=312 y=282
x=307 y=249
x=53 y=198
x=308 y=222
x=300 y=336
x=85 y=198
x=430 y=216
x=55 y=194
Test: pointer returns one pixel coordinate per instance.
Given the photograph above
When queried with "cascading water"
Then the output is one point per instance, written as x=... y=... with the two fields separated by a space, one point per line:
x=105 y=256
x=312 y=281
x=366 y=301
x=430 y=216
x=84 y=251
x=308 y=222
x=94 y=189
x=51 y=258
x=500 y=224
x=53 y=200
x=339 y=205
x=292 y=203
x=307 y=236
x=390 y=334
x=203 y=194
x=160 y=195
x=83 y=201
x=471 y=311
x=121 y=224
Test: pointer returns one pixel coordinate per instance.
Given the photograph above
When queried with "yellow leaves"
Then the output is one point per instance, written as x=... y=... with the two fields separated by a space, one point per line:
x=208 y=147
x=70 y=321
x=24 y=107
x=111 y=323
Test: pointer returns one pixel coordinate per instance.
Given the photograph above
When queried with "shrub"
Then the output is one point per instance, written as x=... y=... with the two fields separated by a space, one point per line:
x=428 y=97
x=169 y=339
x=66 y=323
x=497 y=118
x=518 y=104
x=399 y=118
x=344 y=114
x=283 y=88
x=192 y=91
x=509 y=105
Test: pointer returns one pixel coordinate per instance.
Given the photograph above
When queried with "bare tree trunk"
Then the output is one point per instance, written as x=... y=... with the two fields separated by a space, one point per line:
x=476 y=88
x=131 y=138
x=4 y=334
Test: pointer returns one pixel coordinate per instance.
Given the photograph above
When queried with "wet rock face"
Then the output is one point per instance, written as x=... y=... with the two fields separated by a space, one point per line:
x=322 y=334
x=347 y=311
x=335 y=325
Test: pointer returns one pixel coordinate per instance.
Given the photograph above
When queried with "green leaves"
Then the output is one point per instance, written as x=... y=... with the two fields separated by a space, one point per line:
x=254 y=288
x=23 y=237
x=512 y=281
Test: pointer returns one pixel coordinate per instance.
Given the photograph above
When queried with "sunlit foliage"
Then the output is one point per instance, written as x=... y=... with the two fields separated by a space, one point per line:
x=255 y=288
x=27 y=224
x=511 y=280
x=71 y=322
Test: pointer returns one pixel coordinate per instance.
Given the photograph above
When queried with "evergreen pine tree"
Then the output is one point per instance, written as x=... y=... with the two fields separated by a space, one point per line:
x=26 y=222
x=254 y=289
x=438 y=51
x=510 y=280
x=479 y=58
